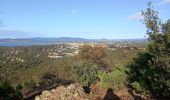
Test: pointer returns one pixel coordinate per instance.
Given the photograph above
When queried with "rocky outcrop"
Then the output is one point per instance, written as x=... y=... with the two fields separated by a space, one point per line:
x=71 y=92
x=76 y=92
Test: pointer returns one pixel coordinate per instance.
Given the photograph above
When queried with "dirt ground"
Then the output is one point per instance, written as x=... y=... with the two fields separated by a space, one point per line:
x=99 y=93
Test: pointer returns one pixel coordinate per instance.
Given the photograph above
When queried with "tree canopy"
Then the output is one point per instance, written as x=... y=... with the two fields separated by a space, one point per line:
x=150 y=71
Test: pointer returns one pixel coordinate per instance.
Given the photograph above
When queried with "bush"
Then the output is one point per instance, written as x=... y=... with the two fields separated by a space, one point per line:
x=145 y=77
x=29 y=84
x=85 y=72
x=19 y=86
x=48 y=79
x=115 y=79
x=7 y=92
x=136 y=85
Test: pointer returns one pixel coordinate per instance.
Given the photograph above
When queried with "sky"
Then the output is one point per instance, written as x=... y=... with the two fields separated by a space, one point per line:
x=91 y=19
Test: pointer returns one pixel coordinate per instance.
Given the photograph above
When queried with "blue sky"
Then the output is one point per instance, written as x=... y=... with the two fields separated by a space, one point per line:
x=99 y=19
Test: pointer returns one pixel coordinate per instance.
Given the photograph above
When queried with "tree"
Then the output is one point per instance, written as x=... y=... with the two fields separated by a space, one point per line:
x=151 y=21
x=151 y=70
x=94 y=54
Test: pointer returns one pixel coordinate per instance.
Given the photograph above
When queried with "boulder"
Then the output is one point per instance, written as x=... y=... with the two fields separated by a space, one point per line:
x=71 y=92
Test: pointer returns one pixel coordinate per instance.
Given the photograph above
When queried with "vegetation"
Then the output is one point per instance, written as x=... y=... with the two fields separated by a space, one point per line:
x=150 y=70
x=85 y=72
x=29 y=84
x=115 y=79
x=48 y=79
x=37 y=69
x=24 y=64
x=93 y=54
x=96 y=63
x=7 y=92
x=90 y=61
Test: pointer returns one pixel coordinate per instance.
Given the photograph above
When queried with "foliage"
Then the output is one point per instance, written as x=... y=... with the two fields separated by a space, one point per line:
x=137 y=86
x=29 y=84
x=7 y=92
x=115 y=79
x=119 y=56
x=151 y=21
x=146 y=77
x=48 y=79
x=19 y=86
x=151 y=70
x=94 y=54
x=141 y=72
x=85 y=72
x=36 y=63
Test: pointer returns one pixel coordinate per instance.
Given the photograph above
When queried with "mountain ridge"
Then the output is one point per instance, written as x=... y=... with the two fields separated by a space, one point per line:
x=41 y=41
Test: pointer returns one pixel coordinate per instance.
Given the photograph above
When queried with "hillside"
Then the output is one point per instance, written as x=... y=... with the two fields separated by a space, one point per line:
x=37 y=68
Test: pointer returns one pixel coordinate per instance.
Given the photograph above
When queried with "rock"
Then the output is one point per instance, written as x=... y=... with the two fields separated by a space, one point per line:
x=47 y=93
x=37 y=98
x=53 y=90
x=76 y=94
x=71 y=92
x=71 y=87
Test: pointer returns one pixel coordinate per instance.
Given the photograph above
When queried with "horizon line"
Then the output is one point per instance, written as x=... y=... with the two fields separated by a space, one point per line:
x=75 y=37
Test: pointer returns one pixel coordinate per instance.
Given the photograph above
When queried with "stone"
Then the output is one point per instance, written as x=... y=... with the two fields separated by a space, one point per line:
x=53 y=90
x=71 y=92
x=47 y=93
x=38 y=98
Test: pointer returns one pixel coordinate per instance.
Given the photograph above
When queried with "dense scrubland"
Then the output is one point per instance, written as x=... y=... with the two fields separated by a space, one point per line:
x=145 y=72
x=33 y=63
x=34 y=68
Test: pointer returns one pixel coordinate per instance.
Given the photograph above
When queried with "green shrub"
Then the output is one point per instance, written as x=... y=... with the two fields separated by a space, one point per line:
x=85 y=72
x=48 y=79
x=115 y=79
x=7 y=92
x=29 y=84
x=139 y=88
x=19 y=86
x=146 y=77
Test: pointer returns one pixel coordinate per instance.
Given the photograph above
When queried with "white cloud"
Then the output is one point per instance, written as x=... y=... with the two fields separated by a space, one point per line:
x=162 y=2
x=135 y=16
x=74 y=11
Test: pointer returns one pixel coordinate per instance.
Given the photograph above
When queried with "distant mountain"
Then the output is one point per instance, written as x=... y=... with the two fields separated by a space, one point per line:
x=43 y=41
